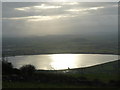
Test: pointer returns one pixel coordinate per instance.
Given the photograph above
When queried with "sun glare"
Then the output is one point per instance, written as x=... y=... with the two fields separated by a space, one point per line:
x=63 y=61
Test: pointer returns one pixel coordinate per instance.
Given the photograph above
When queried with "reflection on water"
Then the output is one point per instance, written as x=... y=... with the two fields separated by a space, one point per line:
x=61 y=61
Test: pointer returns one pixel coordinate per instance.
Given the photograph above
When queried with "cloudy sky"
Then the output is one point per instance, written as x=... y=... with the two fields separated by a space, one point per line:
x=53 y=18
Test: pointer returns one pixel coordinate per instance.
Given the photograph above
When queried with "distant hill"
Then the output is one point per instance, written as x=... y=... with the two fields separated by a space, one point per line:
x=59 y=44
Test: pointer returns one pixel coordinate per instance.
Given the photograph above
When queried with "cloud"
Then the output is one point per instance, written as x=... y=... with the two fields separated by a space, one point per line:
x=48 y=18
x=23 y=8
x=70 y=3
x=38 y=7
x=40 y=18
x=44 y=6
x=45 y=18
x=84 y=9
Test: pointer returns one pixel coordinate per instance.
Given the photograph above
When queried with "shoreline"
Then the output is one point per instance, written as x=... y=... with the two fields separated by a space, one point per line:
x=73 y=69
x=59 y=53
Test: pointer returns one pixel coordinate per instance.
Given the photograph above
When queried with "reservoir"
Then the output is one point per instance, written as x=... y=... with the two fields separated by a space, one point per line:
x=61 y=61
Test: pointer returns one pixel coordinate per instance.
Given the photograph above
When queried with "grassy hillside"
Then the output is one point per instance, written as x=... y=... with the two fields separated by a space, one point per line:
x=105 y=72
x=105 y=68
x=104 y=75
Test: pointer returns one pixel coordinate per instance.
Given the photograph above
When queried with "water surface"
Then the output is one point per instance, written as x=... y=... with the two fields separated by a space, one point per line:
x=61 y=61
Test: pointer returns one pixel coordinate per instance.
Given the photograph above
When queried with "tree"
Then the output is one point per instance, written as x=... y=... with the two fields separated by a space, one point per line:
x=7 y=67
x=27 y=69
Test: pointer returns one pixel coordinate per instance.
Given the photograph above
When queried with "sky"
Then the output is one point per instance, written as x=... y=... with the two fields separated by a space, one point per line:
x=21 y=19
